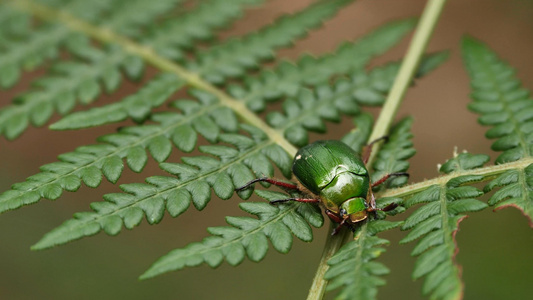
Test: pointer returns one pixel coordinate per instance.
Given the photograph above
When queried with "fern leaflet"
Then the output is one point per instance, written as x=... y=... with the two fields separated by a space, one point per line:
x=436 y=222
x=246 y=236
x=353 y=267
x=287 y=78
x=174 y=36
x=507 y=106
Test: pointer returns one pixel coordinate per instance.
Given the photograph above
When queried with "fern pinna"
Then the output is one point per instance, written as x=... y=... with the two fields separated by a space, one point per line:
x=216 y=91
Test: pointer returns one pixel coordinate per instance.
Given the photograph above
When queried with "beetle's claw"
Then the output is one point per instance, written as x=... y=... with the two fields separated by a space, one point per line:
x=389 y=207
x=249 y=184
x=274 y=202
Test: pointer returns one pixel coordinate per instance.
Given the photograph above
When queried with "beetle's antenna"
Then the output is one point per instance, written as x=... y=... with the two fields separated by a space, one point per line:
x=295 y=199
x=382 y=179
x=367 y=150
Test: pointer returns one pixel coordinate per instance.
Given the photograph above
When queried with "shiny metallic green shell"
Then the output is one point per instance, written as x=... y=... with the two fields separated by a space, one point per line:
x=332 y=170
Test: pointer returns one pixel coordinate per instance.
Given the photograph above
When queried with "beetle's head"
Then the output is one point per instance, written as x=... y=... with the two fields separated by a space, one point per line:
x=354 y=208
x=343 y=212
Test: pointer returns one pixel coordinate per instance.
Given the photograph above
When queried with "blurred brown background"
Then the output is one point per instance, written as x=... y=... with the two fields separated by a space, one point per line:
x=494 y=247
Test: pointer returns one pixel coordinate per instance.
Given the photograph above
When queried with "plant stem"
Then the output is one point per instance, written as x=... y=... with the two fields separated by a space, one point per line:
x=333 y=243
x=407 y=70
x=488 y=173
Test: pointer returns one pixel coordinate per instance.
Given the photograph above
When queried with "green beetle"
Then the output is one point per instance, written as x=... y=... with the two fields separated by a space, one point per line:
x=332 y=173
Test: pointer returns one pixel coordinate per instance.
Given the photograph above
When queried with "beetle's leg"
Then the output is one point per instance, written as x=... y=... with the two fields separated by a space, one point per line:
x=282 y=184
x=389 y=207
x=295 y=199
x=335 y=218
x=384 y=178
x=373 y=208
x=342 y=223
x=368 y=148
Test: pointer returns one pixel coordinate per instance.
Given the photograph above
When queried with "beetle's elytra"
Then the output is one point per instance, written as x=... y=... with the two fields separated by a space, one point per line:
x=332 y=173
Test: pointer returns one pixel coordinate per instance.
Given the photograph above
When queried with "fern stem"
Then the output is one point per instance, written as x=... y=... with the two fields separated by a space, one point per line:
x=405 y=76
x=407 y=70
x=333 y=243
x=150 y=56
x=488 y=173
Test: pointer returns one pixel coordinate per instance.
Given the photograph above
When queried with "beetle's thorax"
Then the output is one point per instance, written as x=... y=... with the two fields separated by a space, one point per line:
x=343 y=187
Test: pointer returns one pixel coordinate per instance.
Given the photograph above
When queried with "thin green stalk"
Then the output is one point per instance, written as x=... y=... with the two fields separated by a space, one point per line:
x=488 y=173
x=405 y=76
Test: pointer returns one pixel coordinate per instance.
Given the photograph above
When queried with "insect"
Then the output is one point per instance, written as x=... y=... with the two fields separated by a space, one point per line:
x=333 y=174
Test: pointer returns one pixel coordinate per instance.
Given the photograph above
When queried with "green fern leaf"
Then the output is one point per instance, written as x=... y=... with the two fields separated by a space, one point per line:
x=246 y=236
x=435 y=224
x=129 y=17
x=506 y=105
x=137 y=106
x=288 y=78
x=233 y=57
x=78 y=80
x=68 y=82
x=308 y=109
x=88 y=162
x=393 y=156
x=13 y=23
x=213 y=64
x=196 y=176
x=354 y=269
x=500 y=100
x=516 y=186
x=174 y=36
x=41 y=44
x=359 y=135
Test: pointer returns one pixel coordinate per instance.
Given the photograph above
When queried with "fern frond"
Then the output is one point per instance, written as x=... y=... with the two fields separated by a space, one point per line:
x=28 y=53
x=233 y=57
x=171 y=38
x=206 y=117
x=246 y=236
x=374 y=43
x=309 y=108
x=137 y=106
x=287 y=78
x=13 y=23
x=33 y=47
x=358 y=136
x=393 y=156
x=68 y=82
x=436 y=222
x=16 y=119
x=354 y=269
x=232 y=167
x=78 y=79
x=129 y=17
x=501 y=101
x=515 y=191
